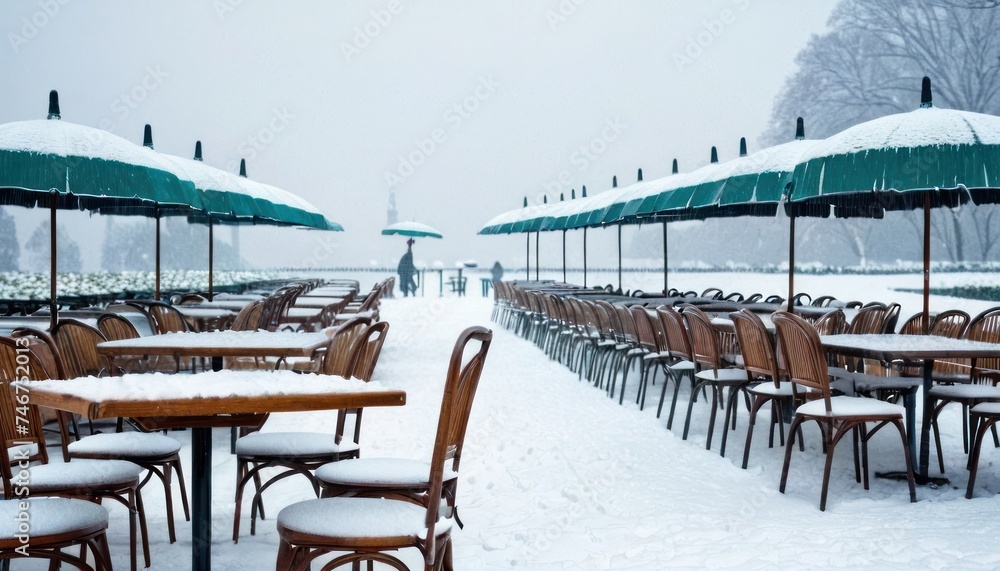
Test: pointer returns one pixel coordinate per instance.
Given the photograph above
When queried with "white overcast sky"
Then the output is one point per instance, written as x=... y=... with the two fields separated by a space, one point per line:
x=325 y=109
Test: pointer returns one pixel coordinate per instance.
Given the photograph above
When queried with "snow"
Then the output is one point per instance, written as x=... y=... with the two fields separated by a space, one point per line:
x=292 y=444
x=49 y=516
x=403 y=227
x=851 y=406
x=225 y=339
x=555 y=475
x=899 y=343
x=79 y=474
x=125 y=444
x=358 y=517
x=921 y=127
x=221 y=384
x=380 y=471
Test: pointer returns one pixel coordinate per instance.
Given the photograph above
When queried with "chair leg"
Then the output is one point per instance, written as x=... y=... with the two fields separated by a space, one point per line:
x=977 y=444
x=716 y=395
x=687 y=419
x=788 y=452
x=758 y=401
x=828 y=467
x=906 y=457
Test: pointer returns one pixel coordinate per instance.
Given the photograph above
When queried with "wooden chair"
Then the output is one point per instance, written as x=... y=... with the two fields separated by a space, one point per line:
x=159 y=455
x=77 y=343
x=837 y=416
x=645 y=346
x=24 y=442
x=248 y=319
x=713 y=372
x=761 y=366
x=966 y=382
x=712 y=293
x=297 y=452
x=823 y=301
x=409 y=514
x=682 y=357
x=114 y=327
x=65 y=523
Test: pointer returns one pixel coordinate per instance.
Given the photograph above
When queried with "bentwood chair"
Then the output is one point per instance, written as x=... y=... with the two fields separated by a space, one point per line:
x=403 y=496
x=24 y=443
x=303 y=452
x=837 y=416
x=65 y=523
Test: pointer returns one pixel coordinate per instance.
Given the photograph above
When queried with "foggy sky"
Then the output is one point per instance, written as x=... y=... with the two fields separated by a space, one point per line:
x=467 y=107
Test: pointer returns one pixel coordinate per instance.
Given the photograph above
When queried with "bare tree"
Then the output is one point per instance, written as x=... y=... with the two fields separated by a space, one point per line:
x=870 y=63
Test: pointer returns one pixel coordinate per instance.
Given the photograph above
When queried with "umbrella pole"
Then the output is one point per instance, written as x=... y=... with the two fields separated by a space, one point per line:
x=619 y=257
x=585 y=257
x=665 y=288
x=564 y=256
x=157 y=297
x=927 y=260
x=527 y=256
x=53 y=306
x=211 y=256
x=538 y=236
x=791 y=261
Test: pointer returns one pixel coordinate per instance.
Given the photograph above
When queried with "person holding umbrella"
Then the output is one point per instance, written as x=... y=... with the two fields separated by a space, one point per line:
x=406 y=271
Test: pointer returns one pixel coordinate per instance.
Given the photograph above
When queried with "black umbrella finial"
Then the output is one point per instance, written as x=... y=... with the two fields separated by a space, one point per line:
x=525 y=202
x=147 y=136
x=572 y=194
x=925 y=93
x=673 y=169
x=545 y=199
x=800 y=130
x=243 y=168
x=54 y=105
x=584 y=195
x=743 y=146
x=197 y=150
x=715 y=155
x=562 y=197
x=639 y=179
x=614 y=181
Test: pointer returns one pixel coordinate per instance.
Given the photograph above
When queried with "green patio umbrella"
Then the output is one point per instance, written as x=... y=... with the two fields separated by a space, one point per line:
x=412 y=229
x=62 y=165
x=926 y=158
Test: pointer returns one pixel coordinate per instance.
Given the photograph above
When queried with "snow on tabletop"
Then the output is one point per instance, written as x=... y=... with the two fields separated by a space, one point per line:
x=358 y=517
x=225 y=339
x=907 y=343
x=380 y=471
x=214 y=384
x=49 y=516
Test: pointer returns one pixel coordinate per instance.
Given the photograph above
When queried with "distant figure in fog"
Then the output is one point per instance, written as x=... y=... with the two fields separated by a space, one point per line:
x=406 y=271
x=497 y=271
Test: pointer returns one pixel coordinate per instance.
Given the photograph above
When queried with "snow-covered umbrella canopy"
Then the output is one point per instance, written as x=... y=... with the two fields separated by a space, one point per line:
x=888 y=163
x=86 y=168
x=412 y=229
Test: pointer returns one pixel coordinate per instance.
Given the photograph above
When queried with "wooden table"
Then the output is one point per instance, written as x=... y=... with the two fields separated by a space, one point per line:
x=204 y=401
x=206 y=318
x=218 y=344
x=911 y=348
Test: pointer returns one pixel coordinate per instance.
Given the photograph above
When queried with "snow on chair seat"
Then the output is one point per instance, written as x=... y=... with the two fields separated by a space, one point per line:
x=124 y=445
x=361 y=518
x=83 y=473
x=291 y=443
x=399 y=472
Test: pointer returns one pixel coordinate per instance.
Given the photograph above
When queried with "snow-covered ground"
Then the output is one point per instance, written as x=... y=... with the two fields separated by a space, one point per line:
x=555 y=475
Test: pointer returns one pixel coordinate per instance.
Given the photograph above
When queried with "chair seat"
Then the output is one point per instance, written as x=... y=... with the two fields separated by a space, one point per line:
x=987 y=409
x=124 y=445
x=782 y=390
x=844 y=407
x=350 y=520
x=683 y=366
x=662 y=355
x=292 y=444
x=83 y=474
x=398 y=472
x=722 y=375
x=52 y=516
x=974 y=391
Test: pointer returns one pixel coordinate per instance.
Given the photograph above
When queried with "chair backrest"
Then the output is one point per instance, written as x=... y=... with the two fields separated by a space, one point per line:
x=678 y=341
x=704 y=339
x=643 y=330
x=337 y=358
x=659 y=333
x=801 y=298
x=167 y=318
x=20 y=423
x=756 y=346
x=914 y=325
x=712 y=293
x=43 y=348
x=456 y=405
x=823 y=301
x=890 y=317
x=868 y=321
x=627 y=324
x=77 y=344
x=950 y=324
x=367 y=349
x=985 y=327
x=116 y=328
x=803 y=354
x=832 y=323
x=137 y=315
x=248 y=319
